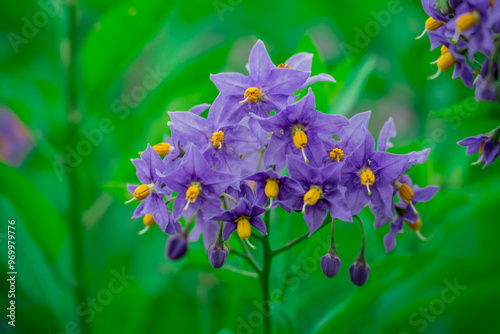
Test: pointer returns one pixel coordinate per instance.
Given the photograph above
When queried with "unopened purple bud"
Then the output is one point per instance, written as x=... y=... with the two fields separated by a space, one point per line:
x=330 y=264
x=177 y=247
x=359 y=271
x=217 y=254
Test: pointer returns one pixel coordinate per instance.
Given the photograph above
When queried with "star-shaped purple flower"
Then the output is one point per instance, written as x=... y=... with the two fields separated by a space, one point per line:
x=295 y=131
x=320 y=193
x=405 y=212
x=198 y=185
x=151 y=193
x=278 y=189
x=221 y=145
x=267 y=88
x=487 y=145
x=242 y=217
x=369 y=176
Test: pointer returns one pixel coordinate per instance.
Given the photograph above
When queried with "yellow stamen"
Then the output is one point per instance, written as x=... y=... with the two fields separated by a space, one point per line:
x=444 y=49
x=191 y=195
x=272 y=188
x=406 y=193
x=217 y=139
x=162 y=149
x=445 y=62
x=141 y=192
x=466 y=21
x=368 y=179
x=148 y=221
x=284 y=65
x=337 y=154
x=311 y=197
x=251 y=94
x=300 y=142
x=416 y=226
x=432 y=25
x=481 y=148
x=244 y=228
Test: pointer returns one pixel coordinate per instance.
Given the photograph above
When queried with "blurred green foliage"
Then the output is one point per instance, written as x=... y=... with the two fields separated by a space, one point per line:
x=75 y=235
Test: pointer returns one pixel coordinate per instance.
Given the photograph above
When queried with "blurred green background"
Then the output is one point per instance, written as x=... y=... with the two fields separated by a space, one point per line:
x=115 y=75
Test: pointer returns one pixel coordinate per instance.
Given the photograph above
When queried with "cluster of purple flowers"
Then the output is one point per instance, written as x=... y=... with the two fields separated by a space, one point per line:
x=261 y=147
x=468 y=32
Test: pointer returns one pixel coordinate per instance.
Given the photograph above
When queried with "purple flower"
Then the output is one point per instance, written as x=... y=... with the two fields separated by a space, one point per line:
x=471 y=20
x=242 y=217
x=267 y=88
x=295 y=131
x=221 y=145
x=16 y=141
x=151 y=192
x=487 y=145
x=450 y=57
x=350 y=137
x=279 y=189
x=406 y=212
x=198 y=185
x=303 y=61
x=320 y=193
x=369 y=176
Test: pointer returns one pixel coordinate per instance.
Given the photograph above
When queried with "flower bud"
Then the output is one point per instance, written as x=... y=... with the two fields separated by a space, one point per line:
x=177 y=247
x=330 y=264
x=359 y=271
x=217 y=254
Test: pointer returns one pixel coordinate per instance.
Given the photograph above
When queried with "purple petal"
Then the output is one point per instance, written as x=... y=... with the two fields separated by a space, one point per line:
x=388 y=131
x=259 y=225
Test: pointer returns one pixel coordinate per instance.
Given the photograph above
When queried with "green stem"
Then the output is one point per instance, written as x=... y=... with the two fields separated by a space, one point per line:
x=295 y=242
x=76 y=189
x=363 y=232
x=243 y=256
x=226 y=195
x=265 y=274
x=240 y=271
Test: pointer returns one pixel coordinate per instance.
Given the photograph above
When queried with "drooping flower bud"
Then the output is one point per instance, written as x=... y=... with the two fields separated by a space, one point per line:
x=330 y=263
x=359 y=271
x=217 y=254
x=177 y=247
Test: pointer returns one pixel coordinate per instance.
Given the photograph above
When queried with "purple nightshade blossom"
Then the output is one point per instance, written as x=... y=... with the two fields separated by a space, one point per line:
x=477 y=32
x=151 y=193
x=452 y=58
x=487 y=145
x=320 y=193
x=267 y=87
x=405 y=212
x=242 y=217
x=198 y=185
x=350 y=137
x=278 y=189
x=295 y=131
x=370 y=176
x=221 y=145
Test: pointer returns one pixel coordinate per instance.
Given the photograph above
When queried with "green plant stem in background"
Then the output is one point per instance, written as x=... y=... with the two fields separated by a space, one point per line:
x=74 y=217
x=265 y=274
